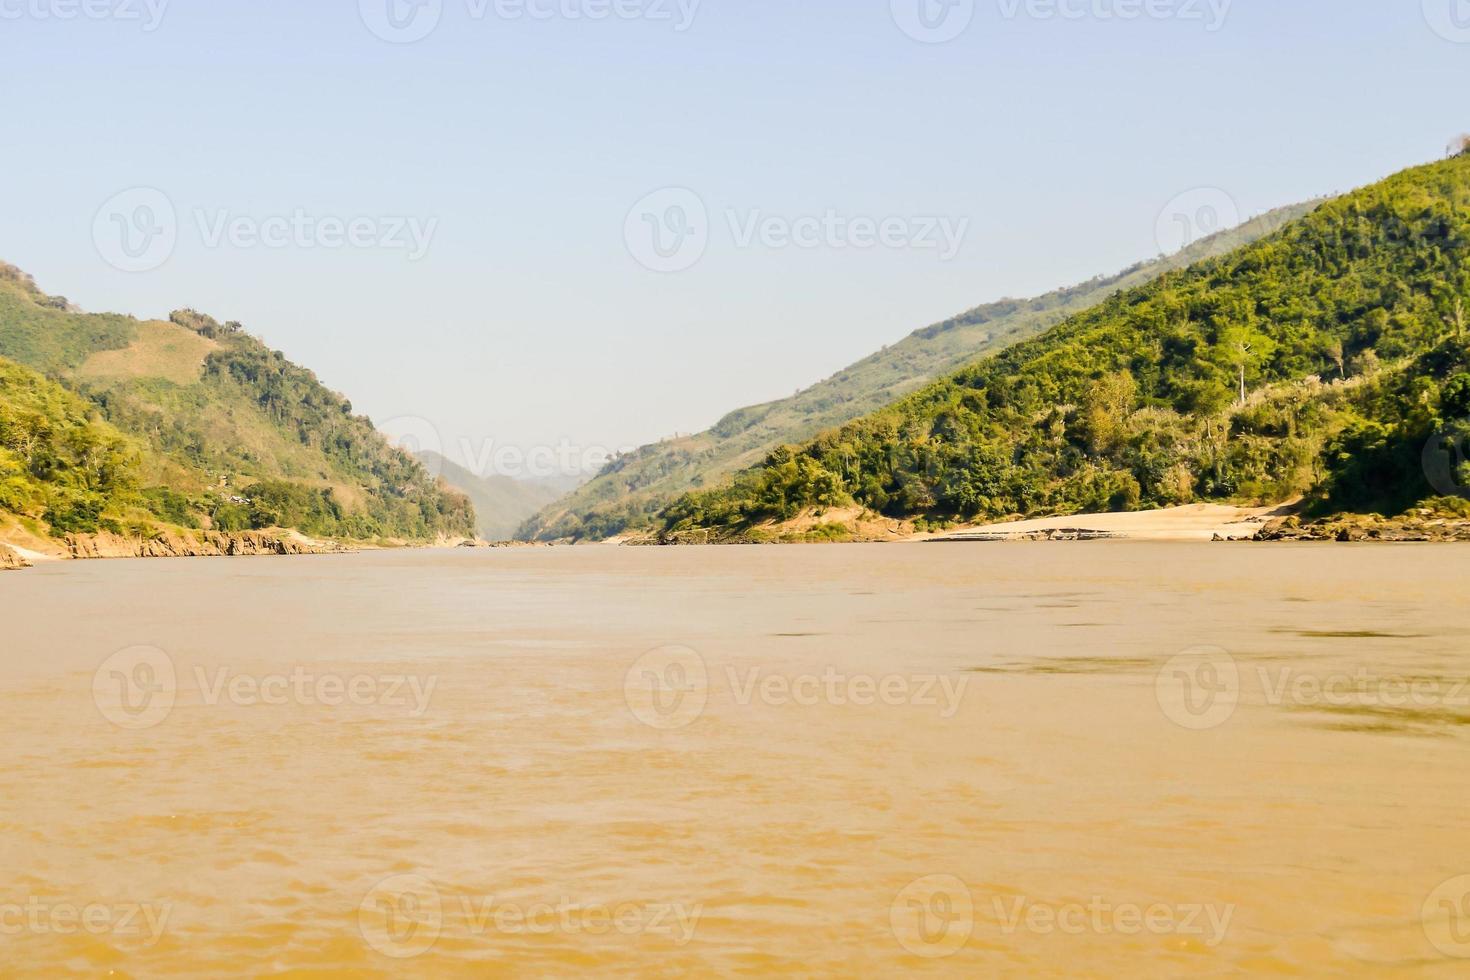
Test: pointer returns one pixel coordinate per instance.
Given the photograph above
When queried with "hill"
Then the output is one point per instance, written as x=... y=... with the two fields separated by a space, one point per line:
x=112 y=424
x=1319 y=360
x=502 y=503
x=633 y=488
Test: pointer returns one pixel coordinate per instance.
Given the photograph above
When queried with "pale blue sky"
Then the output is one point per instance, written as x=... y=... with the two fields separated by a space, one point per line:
x=528 y=320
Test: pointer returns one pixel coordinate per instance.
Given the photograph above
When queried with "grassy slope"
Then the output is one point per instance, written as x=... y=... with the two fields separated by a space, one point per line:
x=1348 y=324
x=216 y=415
x=501 y=502
x=631 y=490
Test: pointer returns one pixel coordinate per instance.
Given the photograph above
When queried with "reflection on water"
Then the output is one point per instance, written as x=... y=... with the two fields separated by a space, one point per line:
x=1028 y=759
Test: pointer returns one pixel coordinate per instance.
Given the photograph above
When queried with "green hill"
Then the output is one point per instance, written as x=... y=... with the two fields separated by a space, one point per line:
x=632 y=489
x=502 y=503
x=1319 y=360
x=189 y=423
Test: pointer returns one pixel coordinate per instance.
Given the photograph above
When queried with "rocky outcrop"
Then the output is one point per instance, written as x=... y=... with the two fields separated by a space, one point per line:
x=206 y=544
x=1424 y=526
x=10 y=559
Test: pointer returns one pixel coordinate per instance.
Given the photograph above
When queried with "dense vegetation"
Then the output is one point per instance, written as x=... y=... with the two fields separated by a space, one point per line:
x=632 y=489
x=58 y=460
x=1319 y=360
x=218 y=431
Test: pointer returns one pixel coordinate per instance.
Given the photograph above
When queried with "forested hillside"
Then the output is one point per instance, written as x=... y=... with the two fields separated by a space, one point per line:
x=1320 y=360
x=632 y=489
x=190 y=423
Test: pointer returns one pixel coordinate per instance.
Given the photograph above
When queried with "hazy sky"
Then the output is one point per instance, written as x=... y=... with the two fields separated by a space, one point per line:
x=504 y=282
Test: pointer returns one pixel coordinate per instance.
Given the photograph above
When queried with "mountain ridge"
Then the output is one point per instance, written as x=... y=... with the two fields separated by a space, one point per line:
x=631 y=489
x=125 y=426
x=1316 y=360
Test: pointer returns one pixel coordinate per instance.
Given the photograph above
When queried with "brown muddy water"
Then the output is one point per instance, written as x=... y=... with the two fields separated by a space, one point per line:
x=1007 y=760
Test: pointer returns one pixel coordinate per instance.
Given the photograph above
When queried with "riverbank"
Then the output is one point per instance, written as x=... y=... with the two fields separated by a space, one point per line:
x=1196 y=522
x=1438 y=521
x=21 y=548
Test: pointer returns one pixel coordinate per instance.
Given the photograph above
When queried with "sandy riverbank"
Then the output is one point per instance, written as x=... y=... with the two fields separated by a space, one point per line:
x=1196 y=522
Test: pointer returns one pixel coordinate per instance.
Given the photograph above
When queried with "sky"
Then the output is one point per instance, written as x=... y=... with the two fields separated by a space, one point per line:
x=573 y=226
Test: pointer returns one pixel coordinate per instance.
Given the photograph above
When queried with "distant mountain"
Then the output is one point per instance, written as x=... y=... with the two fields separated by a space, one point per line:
x=111 y=423
x=635 y=487
x=1323 y=359
x=502 y=503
